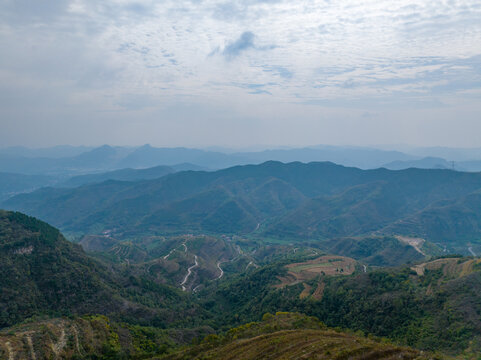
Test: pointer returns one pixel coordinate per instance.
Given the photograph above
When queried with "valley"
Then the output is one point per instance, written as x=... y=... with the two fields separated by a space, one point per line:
x=161 y=263
x=218 y=283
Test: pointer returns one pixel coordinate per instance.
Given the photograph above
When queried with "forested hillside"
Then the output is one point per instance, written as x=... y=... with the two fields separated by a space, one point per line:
x=293 y=336
x=44 y=274
x=288 y=202
x=430 y=305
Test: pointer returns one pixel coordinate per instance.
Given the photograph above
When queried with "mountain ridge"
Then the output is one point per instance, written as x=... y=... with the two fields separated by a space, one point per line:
x=294 y=201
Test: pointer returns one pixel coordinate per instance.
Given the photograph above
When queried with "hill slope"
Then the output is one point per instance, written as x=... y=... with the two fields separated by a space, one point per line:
x=431 y=306
x=292 y=202
x=292 y=336
x=44 y=274
x=90 y=337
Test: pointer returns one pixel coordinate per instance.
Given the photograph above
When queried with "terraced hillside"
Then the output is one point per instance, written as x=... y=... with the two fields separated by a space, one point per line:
x=41 y=273
x=90 y=337
x=433 y=305
x=321 y=266
x=292 y=336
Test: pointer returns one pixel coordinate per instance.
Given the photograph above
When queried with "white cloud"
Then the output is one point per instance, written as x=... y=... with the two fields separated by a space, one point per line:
x=146 y=55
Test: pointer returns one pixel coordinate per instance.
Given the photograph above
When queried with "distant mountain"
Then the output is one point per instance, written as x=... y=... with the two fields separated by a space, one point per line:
x=30 y=165
x=293 y=202
x=360 y=157
x=68 y=161
x=188 y=167
x=13 y=184
x=97 y=159
x=454 y=154
x=425 y=163
x=107 y=158
x=473 y=165
x=120 y=175
x=148 y=156
x=435 y=163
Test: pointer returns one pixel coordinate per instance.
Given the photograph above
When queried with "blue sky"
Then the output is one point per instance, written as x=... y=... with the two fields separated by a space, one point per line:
x=240 y=73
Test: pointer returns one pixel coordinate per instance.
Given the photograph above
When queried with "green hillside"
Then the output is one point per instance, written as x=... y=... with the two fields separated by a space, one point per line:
x=89 y=337
x=292 y=202
x=455 y=222
x=44 y=274
x=293 y=336
x=430 y=306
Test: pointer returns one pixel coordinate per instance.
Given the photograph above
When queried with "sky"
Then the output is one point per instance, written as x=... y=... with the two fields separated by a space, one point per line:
x=240 y=73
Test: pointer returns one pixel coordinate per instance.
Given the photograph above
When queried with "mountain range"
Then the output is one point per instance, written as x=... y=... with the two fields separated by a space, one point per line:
x=315 y=202
x=265 y=260
x=65 y=161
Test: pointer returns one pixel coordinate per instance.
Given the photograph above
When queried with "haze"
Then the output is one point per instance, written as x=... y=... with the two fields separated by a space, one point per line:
x=240 y=73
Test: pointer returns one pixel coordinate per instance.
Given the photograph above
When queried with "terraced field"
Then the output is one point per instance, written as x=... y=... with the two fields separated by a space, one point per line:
x=451 y=267
x=292 y=336
x=325 y=265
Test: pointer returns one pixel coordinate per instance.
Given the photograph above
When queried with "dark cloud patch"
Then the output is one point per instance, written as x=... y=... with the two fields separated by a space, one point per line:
x=260 y=91
x=253 y=88
x=245 y=42
x=257 y=89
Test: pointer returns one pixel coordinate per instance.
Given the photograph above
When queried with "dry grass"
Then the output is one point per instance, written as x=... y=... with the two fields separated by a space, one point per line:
x=307 y=344
x=324 y=265
x=306 y=292
x=319 y=292
x=451 y=267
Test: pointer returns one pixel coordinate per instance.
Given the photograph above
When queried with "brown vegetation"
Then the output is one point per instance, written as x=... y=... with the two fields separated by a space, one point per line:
x=325 y=265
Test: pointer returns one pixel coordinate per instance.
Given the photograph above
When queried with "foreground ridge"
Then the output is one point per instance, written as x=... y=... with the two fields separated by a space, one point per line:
x=293 y=336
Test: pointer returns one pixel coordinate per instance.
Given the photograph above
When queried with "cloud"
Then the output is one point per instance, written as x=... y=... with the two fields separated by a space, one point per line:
x=243 y=43
x=89 y=57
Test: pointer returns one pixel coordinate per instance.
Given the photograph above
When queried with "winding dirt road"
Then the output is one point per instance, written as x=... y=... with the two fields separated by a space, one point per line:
x=221 y=271
x=471 y=251
x=189 y=272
